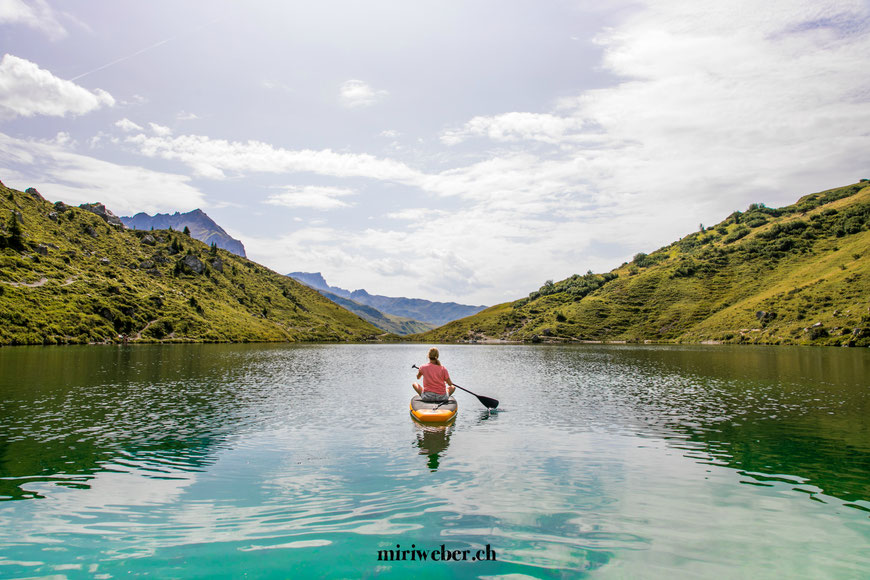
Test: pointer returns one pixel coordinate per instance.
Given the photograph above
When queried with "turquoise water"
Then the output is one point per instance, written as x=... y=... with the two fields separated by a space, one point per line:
x=223 y=461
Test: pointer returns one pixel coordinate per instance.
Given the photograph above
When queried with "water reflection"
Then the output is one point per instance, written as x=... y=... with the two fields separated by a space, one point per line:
x=69 y=413
x=764 y=411
x=432 y=441
x=607 y=454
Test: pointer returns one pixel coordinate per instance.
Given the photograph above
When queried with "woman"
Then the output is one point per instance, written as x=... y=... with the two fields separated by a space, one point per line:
x=435 y=379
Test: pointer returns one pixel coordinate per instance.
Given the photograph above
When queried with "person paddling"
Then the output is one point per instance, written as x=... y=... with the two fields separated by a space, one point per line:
x=435 y=380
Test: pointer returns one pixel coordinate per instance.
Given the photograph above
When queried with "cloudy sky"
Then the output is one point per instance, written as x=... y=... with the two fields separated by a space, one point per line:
x=462 y=150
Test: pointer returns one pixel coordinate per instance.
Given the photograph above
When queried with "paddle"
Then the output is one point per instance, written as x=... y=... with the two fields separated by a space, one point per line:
x=487 y=402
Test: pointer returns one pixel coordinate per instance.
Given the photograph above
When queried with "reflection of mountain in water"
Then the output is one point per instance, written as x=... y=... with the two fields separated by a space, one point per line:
x=763 y=417
x=787 y=415
x=432 y=441
x=105 y=409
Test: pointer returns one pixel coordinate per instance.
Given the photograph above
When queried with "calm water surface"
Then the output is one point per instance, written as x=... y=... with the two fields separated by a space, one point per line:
x=193 y=461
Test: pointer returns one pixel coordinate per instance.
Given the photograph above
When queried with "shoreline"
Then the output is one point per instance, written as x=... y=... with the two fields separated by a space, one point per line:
x=400 y=340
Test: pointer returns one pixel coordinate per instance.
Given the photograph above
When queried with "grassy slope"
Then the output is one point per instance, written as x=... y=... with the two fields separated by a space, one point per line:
x=76 y=279
x=805 y=265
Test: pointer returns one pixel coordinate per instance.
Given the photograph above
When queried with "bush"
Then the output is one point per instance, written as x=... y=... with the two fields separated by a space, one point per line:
x=756 y=221
x=853 y=225
x=817 y=332
x=786 y=229
x=739 y=232
x=684 y=269
x=642 y=260
x=159 y=329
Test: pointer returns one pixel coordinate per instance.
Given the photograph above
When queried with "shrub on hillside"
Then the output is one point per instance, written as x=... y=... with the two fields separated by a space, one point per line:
x=739 y=232
x=756 y=221
x=853 y=225
x=158 y=329
x=642 y=260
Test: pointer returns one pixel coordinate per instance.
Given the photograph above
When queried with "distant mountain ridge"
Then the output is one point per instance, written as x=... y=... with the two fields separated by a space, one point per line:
x=435 y=313
x=202 y=228
x=388 y=322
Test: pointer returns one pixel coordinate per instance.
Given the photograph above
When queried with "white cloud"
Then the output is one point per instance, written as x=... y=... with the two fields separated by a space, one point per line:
x=61 y=174
x=311 y=196
x=63 y=139
x=27 y=90
x=127 y=125
x=516 y=127
x=389 y=133
x=510 y=180
x=160 y=130
x=212 y=157
x=355 y=93
x=134 y=101
x=36 y=14
x=411 y=214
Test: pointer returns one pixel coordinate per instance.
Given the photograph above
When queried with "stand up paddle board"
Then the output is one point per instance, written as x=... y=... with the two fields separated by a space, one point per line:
x=433 y=412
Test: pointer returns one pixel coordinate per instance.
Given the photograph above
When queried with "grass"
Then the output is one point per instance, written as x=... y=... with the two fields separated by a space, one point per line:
x=66 y=276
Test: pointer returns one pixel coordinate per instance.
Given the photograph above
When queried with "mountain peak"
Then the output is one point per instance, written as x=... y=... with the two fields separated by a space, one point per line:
x=201 y=226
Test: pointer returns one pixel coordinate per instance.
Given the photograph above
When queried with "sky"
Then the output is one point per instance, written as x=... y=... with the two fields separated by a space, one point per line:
x=458 y=150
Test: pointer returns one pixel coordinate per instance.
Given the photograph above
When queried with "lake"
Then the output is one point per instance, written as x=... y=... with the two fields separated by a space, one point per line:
x=279 y=461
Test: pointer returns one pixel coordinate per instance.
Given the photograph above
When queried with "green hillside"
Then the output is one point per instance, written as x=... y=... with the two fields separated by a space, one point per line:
x=68 y=276
x=794 y=275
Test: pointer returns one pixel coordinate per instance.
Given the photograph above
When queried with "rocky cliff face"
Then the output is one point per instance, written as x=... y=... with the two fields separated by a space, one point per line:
x=202 y=228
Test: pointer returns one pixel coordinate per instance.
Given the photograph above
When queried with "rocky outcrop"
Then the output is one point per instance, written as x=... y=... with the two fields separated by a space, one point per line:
x=193 y=264
x=31 y=191
x=104 y=213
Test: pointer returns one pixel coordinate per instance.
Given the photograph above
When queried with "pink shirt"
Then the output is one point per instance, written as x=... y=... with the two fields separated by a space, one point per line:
x=434 y=377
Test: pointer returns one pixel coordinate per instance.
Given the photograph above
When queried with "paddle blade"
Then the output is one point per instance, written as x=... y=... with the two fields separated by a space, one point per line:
x=487 y=402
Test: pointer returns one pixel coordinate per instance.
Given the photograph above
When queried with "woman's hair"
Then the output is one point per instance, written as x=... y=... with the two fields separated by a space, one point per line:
x=433 y=356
